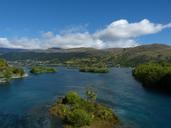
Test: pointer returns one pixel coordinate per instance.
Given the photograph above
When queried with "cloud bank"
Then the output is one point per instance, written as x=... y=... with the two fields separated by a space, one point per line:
x=119 y=33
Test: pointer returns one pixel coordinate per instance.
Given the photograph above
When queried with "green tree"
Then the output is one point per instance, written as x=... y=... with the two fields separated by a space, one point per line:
x=151 y=74
x=79 y=117
x=72 y=98
x=91 y=94
x=3 y=63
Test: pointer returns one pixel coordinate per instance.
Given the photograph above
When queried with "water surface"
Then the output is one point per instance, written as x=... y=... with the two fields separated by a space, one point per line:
x=24 y=102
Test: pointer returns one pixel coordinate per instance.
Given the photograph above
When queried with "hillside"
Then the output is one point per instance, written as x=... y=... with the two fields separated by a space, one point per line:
x=142 y=54
x=113 y=56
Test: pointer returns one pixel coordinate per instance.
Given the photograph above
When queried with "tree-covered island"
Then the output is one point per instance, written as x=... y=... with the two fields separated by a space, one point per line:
x=91 y=64
x=8 y=72
x=154 y=75
x=94 y=69
x=75 y=111
x=42 y=69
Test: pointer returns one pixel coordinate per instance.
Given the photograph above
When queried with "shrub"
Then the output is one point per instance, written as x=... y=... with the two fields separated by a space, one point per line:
x=79 y=117
x=77 y=112
x=91 y=94
x=104 y=112
x=18 y=71
x=60 y=110
x=3 y=63
x=72 y=98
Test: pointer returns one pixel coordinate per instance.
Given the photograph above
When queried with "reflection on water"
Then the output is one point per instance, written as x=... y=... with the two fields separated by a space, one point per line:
x=24 y=102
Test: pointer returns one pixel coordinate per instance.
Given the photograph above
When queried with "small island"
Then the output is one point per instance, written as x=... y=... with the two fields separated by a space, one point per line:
x=8 y=72
x=42 y=69
x=154 y=75
x=91 y=64
x=94 y=69
x=75 y=111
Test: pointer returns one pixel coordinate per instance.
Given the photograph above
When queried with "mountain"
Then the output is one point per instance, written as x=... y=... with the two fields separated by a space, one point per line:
x=143 y=53
x=114 y=56
x=7 y=50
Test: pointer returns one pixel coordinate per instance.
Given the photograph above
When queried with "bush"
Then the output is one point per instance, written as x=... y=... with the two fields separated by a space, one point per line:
x=91 y=94
x=3 y=63
x=18 y=71
x=78 y=112
x=104 y=112
x=60 y=110
x=79 y=117
x=72 y=98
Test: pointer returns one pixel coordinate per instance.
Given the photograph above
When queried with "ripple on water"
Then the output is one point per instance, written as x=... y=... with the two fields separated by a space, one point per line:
x=136 y=107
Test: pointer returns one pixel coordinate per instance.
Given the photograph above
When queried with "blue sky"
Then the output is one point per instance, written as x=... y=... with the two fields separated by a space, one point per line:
x=24 y=21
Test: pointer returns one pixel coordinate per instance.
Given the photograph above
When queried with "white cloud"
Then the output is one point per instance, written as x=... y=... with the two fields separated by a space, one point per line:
x=123 y=29
x=4 y=42
x=119 y=33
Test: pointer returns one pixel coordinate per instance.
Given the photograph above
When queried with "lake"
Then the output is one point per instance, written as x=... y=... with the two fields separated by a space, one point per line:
x=24 y=102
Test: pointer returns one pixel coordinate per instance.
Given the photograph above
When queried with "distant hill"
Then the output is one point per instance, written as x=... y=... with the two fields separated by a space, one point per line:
x=7 y=50
x=114 y=56
x=143 y=53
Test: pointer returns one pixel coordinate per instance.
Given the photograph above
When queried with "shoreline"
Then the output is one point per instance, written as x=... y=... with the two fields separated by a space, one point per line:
x=4 y=80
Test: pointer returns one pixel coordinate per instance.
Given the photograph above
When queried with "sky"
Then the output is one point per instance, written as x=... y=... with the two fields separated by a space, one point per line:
x=42 y=24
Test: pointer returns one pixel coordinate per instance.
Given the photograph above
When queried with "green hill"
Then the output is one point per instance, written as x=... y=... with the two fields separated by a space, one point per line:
x=142 y=54
x=111 y=57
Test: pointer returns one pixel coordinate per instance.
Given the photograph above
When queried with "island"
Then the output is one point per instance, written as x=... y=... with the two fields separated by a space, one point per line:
x=154 y=75
x=90 y=64
x=75 y=111
x=94 y=69
x=8 y=72
x=42 y=69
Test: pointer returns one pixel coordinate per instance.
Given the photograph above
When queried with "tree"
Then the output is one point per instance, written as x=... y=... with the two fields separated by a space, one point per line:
x=91 y=94
x=153 y=74
x=72 y=98
x=79 y=117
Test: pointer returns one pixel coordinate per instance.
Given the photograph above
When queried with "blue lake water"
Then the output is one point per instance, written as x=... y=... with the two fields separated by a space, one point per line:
x=24 y=102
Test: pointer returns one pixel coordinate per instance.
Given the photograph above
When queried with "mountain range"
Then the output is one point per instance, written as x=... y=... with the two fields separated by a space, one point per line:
x=123 y=56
